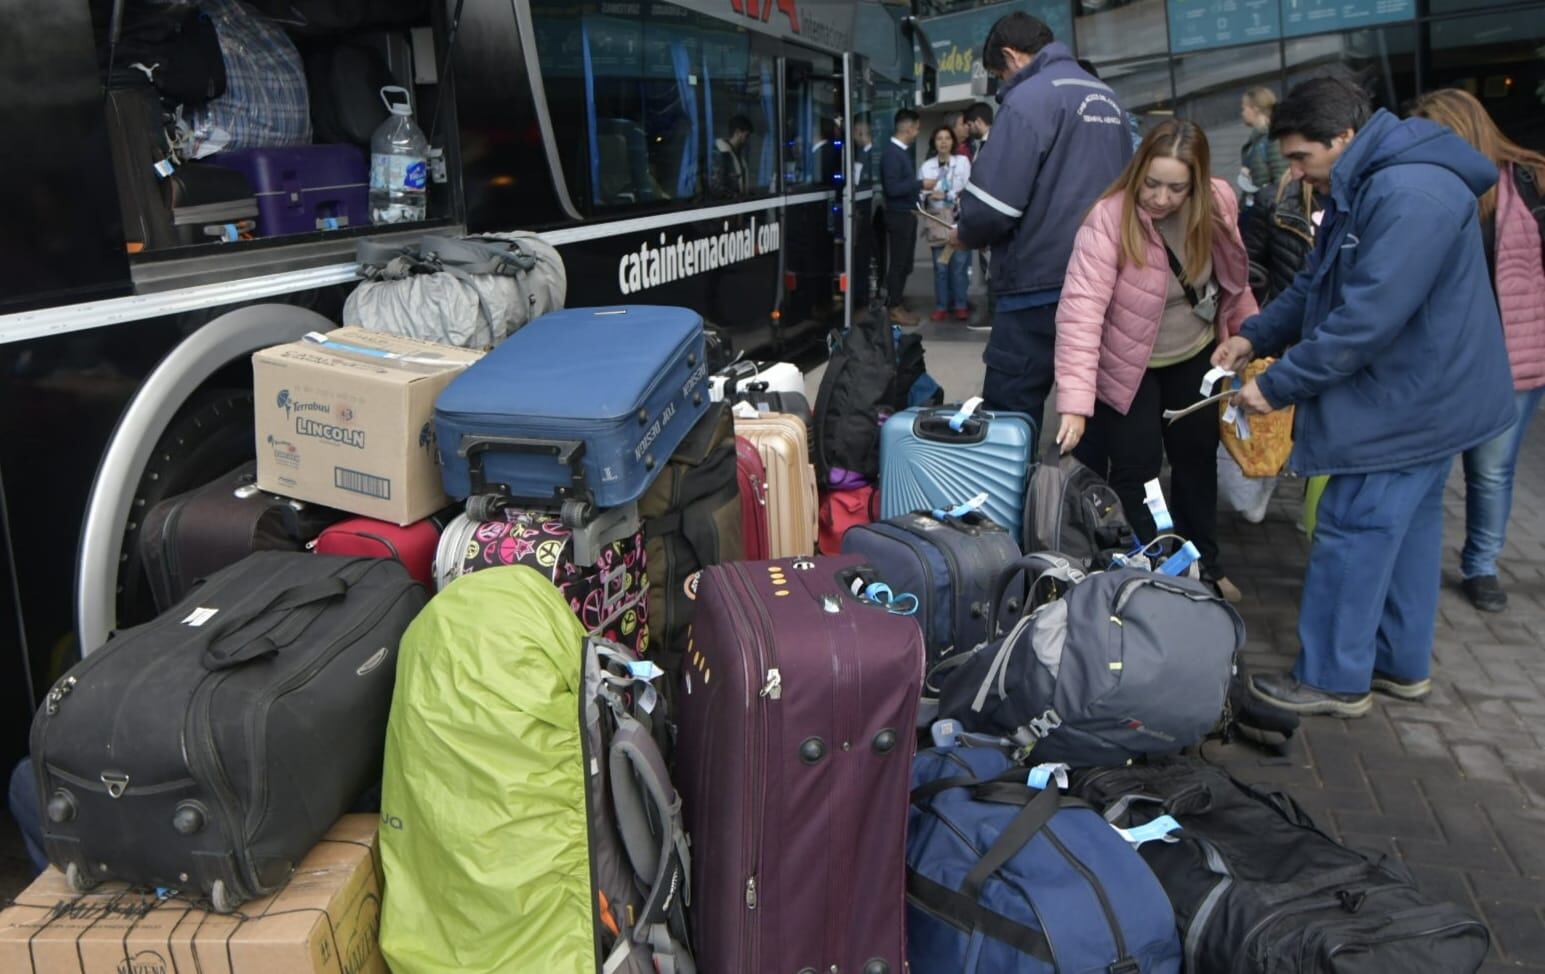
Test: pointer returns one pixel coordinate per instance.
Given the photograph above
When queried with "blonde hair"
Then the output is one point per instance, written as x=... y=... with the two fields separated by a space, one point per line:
x=1262 y=99
x=1460 y=112
x=1173 y=138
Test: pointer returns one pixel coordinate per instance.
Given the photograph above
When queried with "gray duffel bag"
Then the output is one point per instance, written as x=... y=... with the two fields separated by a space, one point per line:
x=1117 y=665
x=472 y=292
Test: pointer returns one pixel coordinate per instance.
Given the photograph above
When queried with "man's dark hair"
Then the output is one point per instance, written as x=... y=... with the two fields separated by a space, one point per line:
x=740 y=123
x=1018 y=30
x=904 y=115
x=1321 y=109
x=980 y=112
x=1089 y=68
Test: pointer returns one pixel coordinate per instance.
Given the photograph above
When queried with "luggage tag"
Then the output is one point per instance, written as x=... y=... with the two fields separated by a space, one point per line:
x=1157 y=830
x=1233 y=415
x=967 y=408
x=164 y=168
x=1043 y=774
x=1181 y=560
x=1153 y=497
x=961 y=510
x=880 y=594
x=946 y=733
x=1213 y=375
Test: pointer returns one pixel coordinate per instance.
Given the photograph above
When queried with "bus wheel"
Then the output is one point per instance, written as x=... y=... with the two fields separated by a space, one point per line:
x=210 y=436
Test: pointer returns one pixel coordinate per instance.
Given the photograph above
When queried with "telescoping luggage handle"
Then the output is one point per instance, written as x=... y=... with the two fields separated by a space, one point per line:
x=209 y=645
x=576 y=498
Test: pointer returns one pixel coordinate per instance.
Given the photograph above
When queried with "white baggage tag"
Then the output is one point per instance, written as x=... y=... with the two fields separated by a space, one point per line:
x=1154 y=498
x=966 y=409
x=1042 y=774
x=1211 y=378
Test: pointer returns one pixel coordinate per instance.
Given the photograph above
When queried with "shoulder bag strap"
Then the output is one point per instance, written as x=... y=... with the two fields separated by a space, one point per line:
x=1179 y=272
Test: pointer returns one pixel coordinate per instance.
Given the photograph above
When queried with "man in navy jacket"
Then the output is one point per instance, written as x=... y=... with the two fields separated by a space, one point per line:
x=1059 y=140
x=1395 y=361
x=900 y=186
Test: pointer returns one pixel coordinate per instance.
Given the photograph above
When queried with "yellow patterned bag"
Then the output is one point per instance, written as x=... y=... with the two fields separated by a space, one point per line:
x=1271 y=436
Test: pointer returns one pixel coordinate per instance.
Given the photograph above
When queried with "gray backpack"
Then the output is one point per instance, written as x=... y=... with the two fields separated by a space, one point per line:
x=472 y=292
x=1103 y=669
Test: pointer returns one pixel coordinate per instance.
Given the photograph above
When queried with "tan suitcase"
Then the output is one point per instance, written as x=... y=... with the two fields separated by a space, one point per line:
x=792 y=506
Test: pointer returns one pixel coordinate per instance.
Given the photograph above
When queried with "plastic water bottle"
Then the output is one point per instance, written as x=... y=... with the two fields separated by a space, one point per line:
x=399 y=163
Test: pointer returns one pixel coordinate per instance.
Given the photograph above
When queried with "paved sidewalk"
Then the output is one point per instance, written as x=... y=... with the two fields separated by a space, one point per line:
x=1454 y=786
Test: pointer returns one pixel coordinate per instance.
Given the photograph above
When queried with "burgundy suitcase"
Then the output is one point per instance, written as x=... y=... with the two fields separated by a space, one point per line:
x=797 y=702
x=413 y=545
x=752 y=476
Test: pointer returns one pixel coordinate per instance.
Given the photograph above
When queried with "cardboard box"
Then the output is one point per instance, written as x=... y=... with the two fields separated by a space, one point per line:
x=324 y=922
x=350 y=423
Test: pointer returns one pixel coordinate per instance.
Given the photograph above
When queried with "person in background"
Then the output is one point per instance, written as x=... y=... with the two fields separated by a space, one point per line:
x=1512 y=218
x=956 y=121
x=1280 y=241
x=1396 y=365
x=1158 y=277
x=729 y=178
x=944 y=175
x=864 y=236
x=1059 y=140
x=1261 y=162
x=978 y=123
x=22 y=800
x=900 y=185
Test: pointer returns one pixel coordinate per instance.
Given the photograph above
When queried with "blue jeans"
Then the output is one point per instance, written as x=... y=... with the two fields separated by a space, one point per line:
x=951 y=281
x=23 y=801
x=1370 y=597
x=1489 y=490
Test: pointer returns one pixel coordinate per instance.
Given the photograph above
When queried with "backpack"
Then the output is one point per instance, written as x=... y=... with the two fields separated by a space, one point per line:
x=472 y=292
x=1070 y=509
x=1117 y=665
x=873 y=371
x=692 y=519
x=999 y=872
x=1257 y=887
x=524 y=783
x=175 y=49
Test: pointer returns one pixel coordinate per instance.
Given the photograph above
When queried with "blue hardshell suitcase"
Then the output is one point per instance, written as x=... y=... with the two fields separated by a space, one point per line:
x=583 y=405
x=926 y=463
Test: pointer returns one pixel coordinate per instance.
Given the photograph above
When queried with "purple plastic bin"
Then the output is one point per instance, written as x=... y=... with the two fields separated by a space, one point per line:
x=305 y=188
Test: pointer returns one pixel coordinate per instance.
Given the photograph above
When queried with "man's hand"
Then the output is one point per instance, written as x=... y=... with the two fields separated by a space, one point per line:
x=1071 y=431
x=1233 y=354
x=1252 y=400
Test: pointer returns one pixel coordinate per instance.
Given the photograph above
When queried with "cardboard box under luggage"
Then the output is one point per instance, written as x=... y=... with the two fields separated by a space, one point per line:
x=324 y=922
x=350 y=423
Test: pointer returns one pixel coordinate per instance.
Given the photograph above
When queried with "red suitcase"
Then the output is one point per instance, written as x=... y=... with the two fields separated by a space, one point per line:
x=797 y=703
x=752 y=475
x=413 y=545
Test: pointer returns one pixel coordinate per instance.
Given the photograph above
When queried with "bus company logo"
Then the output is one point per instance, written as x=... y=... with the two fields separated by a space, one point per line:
x=144 y=962
x=341 y=435
x=1101 y=109
x=285 y=452
x=675 y=260
x=762 y=10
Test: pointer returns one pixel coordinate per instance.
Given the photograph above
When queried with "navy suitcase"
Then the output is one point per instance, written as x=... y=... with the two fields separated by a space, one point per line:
x=583 y=406
x=926 y=463
x=952 y=565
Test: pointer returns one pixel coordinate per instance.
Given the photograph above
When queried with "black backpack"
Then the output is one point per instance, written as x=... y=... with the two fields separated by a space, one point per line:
x=173 y=48
x=871 y=374
x=1072 y=510
x=1257 y=887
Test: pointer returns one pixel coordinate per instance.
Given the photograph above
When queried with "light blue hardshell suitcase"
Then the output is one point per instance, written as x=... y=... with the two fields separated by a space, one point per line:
x=937 y=458
x=583 y=405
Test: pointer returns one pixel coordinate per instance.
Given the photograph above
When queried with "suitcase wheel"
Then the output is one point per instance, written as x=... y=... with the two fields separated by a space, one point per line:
x=576 y=513
x=78 y=880
x=222 y=899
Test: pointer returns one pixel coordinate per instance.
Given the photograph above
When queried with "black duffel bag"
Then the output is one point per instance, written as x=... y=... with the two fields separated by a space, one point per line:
x=1258 y=888
x=209 y=749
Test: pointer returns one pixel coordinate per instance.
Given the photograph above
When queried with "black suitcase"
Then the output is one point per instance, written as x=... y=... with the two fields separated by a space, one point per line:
x=208 y=750
x=1258 y=888
x=184 y=538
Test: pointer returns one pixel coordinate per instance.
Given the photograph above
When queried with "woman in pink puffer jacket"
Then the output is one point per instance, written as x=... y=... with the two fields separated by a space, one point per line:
x=1136 y=327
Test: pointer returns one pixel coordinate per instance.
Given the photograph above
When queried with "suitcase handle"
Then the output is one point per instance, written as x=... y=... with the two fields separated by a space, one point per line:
x=934 y=425
x=568 y=453
x=291 y=598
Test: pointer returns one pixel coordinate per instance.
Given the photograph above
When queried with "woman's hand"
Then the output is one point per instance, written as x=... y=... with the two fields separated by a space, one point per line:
x=1071 y=431
x=1233 y=354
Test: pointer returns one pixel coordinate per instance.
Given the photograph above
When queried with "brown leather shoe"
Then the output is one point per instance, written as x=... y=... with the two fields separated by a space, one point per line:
x=901 y=316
